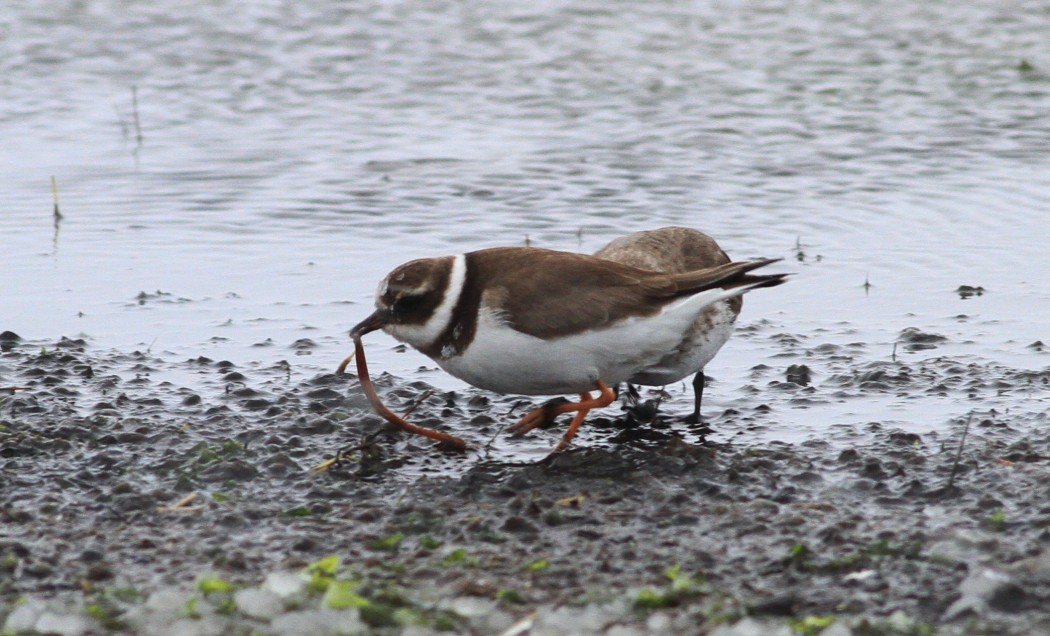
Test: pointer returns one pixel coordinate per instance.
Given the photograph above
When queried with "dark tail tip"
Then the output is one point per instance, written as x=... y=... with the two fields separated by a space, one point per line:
x=758 y=281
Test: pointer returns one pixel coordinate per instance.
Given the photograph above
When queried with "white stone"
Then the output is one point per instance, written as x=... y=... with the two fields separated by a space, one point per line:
x=24 y=617
x=168 y=602
x=258 y=603
x=900 y=621
x=192 y=627
x=470 y=606
x=165 y=614
x=862 y=575
x=751 y=627
x=495 y=622
x=625 y=630
x=323 y=622
x=658 y=622
x=284 y=584
x=63 y=624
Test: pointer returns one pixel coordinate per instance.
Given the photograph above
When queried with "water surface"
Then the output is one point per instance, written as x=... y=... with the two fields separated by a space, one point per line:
x=291 y=153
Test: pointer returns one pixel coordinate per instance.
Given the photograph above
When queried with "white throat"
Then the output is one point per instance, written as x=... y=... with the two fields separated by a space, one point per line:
x=422 y=336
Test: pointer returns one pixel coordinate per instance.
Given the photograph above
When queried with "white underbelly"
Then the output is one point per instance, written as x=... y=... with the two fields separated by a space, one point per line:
x=504 y=360
x=705 y=338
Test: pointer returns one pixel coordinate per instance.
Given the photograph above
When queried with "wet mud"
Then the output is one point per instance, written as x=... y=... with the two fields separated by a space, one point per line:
x=126 y=475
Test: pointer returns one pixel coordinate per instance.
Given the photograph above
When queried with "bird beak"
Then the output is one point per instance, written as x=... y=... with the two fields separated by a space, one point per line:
x=378 y=320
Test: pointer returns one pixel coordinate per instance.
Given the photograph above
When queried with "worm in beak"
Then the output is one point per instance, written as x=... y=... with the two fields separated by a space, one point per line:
x=378 y=320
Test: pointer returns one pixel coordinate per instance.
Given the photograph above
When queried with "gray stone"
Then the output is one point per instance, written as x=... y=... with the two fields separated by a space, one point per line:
x=590 y=619
x=838 y=628
x=984 y=589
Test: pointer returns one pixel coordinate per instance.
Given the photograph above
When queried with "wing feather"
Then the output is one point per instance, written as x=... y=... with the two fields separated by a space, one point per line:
x=546 y=293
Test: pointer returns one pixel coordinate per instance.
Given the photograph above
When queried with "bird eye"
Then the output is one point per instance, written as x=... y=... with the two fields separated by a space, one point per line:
x=407 y=305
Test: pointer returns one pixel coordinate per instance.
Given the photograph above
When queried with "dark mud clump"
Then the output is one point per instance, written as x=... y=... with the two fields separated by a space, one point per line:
x=138 y=492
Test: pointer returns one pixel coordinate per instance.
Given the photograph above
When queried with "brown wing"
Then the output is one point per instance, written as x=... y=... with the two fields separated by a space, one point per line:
x=671 y=250
x=547 y=293
x=668 y=249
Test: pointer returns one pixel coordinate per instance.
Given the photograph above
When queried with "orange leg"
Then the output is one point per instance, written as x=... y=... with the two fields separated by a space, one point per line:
x=543 y=415
x=584 y=406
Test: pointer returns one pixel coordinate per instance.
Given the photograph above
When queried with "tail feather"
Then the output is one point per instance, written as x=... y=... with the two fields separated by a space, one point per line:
x=728 y=276
x=758 y=281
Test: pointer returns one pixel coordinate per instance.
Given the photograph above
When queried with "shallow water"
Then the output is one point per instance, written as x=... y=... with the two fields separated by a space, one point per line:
x=292 y=153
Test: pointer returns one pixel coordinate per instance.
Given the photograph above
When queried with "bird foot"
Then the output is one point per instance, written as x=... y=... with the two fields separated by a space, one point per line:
x=540 y=417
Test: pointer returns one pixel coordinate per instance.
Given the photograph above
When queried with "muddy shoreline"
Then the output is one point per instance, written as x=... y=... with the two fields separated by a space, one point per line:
x=122 y=495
